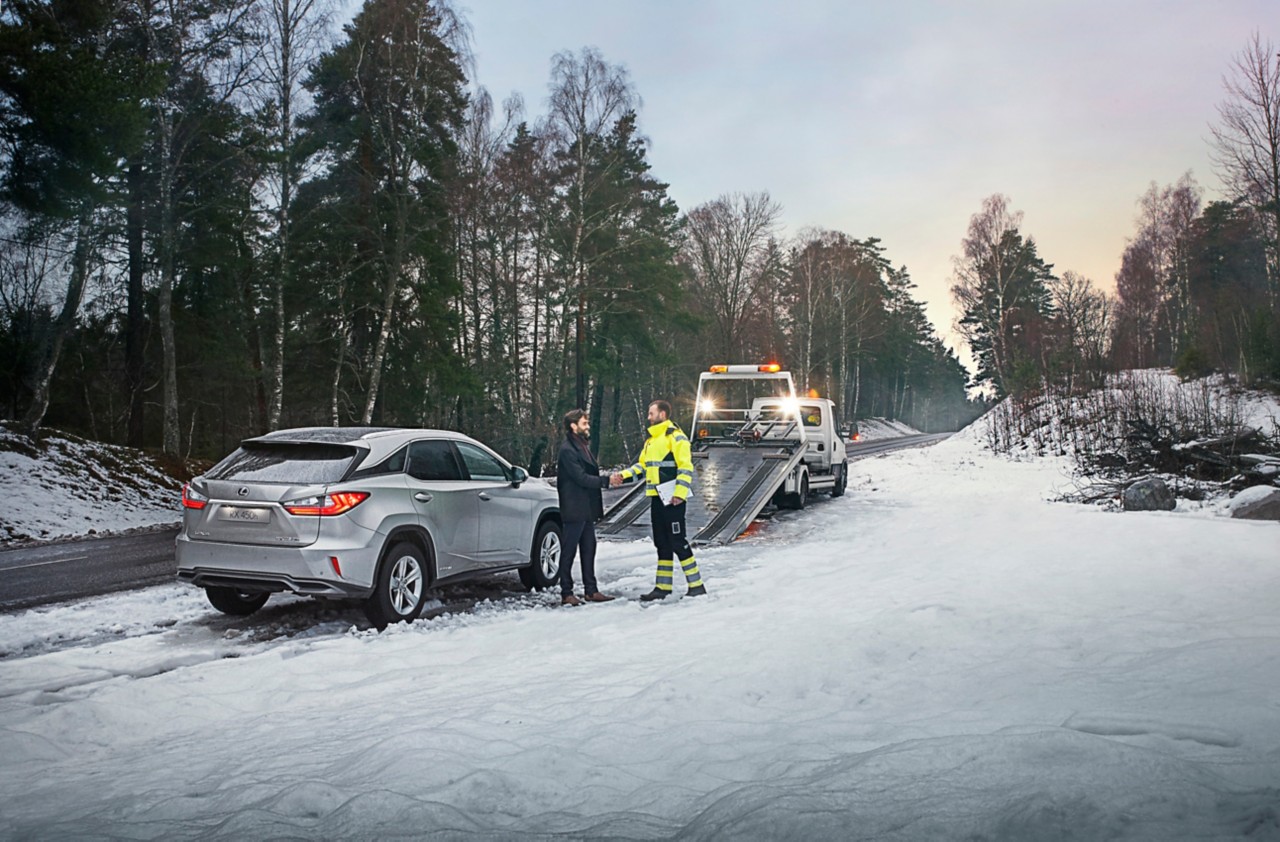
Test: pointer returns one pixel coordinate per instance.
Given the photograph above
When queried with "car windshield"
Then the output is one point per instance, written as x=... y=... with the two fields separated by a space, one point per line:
x=297 y=464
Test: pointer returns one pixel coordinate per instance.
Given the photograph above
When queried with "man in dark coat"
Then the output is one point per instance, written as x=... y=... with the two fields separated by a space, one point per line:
x=578 y=483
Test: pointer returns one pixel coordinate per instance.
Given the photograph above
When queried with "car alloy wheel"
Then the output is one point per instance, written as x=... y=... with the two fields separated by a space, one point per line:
x=549 y=555
x=401 y=587
x=405 y=584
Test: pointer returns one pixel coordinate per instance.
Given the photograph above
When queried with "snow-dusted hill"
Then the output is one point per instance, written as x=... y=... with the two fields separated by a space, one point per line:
x=870 y=429
x=941 y=653
x=69 y=487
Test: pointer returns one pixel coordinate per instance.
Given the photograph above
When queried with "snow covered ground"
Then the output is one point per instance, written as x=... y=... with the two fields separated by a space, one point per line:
x=70 y=487
x=870 y=429
x=941 y=653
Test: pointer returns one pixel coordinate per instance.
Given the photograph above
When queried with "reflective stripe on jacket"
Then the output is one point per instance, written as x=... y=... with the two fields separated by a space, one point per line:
x=665 y=457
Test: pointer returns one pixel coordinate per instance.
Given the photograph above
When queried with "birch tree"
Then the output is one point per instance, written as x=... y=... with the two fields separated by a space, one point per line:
x=389 y=101
x=588 y=96
x=1246 y=140
x=1000 y=292
x=728 y=251
x=295 y=32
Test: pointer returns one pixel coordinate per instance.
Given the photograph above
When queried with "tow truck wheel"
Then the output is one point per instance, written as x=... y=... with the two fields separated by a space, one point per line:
x=800 y=498
x=842 y=482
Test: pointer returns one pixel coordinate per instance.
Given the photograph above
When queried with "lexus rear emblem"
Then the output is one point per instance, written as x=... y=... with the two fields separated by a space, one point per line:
x=243 y=491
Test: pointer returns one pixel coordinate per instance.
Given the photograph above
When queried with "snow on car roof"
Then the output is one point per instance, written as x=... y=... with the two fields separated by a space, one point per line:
x=346 y=435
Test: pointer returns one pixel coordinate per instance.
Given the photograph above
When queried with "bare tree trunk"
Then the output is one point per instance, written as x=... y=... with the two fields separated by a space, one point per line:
x=340 y=358
x=134 y=319
x=61 y=327
x=168 y=231
x=391 y=285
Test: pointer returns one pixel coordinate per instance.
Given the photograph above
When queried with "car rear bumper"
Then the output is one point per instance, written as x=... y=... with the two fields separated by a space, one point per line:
x=206 y=577
x=303 y=571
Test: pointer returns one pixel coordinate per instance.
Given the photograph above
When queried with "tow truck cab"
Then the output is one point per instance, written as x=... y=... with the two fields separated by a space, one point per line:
x=825 y=455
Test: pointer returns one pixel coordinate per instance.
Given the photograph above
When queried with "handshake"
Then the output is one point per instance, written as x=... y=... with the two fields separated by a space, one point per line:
x=615 y=480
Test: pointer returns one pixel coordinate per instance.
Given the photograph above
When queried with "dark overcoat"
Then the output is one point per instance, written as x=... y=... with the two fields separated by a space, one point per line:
x=578 y=482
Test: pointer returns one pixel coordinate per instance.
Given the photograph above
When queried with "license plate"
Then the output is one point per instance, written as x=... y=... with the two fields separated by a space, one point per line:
x=245 y=514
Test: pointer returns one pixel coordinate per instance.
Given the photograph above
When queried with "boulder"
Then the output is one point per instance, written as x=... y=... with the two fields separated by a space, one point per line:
x=1257 y=503
x=1149 y=495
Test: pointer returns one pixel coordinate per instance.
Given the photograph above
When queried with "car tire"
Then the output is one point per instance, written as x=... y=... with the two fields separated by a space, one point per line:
x=234 y=602
x=400 y=588
x=544 y=559
x=842 y=482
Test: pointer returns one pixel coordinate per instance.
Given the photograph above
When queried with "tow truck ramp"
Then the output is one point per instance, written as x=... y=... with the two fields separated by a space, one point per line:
x=732 y=484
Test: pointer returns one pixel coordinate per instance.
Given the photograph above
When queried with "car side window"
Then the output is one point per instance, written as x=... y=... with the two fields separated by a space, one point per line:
x=481 y=465
x=433 y=460
x=393 y=464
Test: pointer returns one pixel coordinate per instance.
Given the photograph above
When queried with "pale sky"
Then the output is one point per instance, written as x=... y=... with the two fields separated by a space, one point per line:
x=896 y=120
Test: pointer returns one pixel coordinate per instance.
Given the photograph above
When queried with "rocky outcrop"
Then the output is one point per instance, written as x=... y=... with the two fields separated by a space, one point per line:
x=1149 y=495
x=1257 y=503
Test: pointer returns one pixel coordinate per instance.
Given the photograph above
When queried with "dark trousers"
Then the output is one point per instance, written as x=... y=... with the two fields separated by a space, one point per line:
x=668 y=530
x=578 y=537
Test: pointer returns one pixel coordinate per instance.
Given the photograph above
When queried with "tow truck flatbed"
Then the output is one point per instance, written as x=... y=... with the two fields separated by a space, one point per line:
x=741 y=461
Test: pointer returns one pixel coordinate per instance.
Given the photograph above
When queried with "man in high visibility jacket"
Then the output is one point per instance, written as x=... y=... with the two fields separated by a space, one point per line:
x=667 y=470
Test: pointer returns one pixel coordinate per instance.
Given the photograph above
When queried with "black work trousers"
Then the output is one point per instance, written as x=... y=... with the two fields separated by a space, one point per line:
x=668 y=530
x=578 y=537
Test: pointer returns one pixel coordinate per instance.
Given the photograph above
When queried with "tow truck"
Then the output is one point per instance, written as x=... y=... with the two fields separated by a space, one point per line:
x=754 y=442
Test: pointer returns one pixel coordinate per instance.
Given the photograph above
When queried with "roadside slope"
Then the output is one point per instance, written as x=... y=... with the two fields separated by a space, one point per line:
x=68 y=487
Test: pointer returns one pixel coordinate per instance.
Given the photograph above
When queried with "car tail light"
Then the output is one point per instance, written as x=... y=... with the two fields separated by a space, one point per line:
x=328 y=505
x=192 y=499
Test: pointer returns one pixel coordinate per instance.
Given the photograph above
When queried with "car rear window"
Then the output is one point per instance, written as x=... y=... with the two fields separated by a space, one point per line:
x=297 y=464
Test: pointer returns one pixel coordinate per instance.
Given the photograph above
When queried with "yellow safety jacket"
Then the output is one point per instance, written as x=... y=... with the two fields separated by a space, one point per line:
x=665 y=457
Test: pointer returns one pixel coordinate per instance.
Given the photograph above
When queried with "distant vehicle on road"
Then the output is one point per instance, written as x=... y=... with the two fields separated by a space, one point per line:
x=370 y=514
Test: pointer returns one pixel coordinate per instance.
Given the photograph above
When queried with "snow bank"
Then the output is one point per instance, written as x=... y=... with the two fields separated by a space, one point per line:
x=941 y=653
x=882 y=428
x=69 y=487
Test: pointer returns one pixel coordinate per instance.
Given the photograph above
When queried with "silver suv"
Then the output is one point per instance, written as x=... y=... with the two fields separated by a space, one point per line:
x=373 y=514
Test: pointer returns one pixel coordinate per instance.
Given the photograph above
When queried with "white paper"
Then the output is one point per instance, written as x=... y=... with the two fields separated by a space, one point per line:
x=667 y=491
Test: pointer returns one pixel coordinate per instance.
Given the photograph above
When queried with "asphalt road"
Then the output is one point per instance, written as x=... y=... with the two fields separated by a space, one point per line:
x=49 y=573
x=857 y=450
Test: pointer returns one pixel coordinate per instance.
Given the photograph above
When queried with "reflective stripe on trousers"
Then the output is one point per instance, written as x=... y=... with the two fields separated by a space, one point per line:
x=671 y=542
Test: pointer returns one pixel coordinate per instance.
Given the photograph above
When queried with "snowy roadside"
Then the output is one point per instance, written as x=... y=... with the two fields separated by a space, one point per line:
x=941 y=653
x=68 y=487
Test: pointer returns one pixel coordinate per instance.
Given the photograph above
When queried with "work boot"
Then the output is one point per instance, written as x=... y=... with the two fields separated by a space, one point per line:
x=697 y=590
x=570 y=599
x=656 y=593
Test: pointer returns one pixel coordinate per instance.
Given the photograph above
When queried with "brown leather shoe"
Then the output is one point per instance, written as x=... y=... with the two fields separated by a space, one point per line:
x=570 y=599
x=598 y=597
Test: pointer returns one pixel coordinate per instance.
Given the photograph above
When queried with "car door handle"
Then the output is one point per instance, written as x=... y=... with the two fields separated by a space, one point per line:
x=484 y=496
x=423 y=497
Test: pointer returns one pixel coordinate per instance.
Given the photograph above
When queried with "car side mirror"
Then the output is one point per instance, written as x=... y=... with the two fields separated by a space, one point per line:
x=518 y=476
